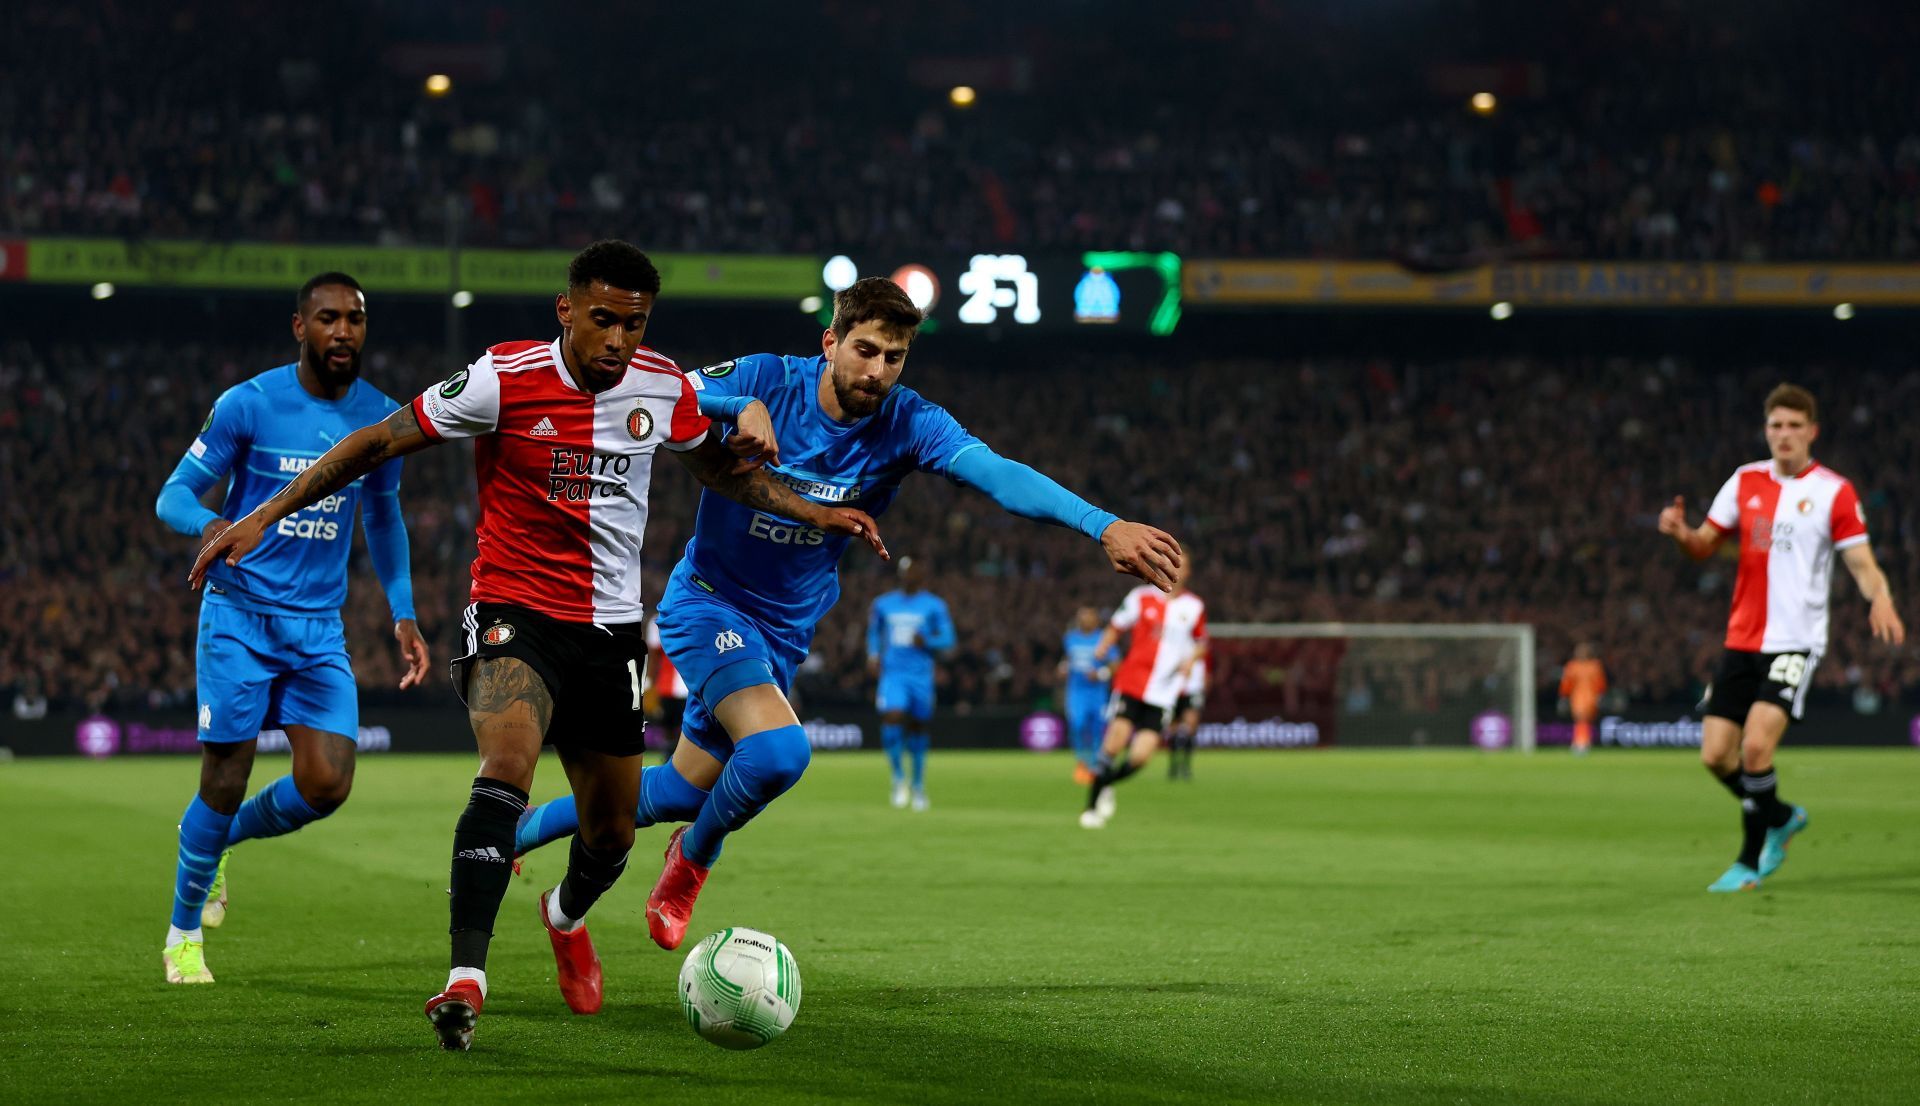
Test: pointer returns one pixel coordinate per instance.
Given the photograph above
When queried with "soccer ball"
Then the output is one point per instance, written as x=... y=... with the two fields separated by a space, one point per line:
x=740 y=988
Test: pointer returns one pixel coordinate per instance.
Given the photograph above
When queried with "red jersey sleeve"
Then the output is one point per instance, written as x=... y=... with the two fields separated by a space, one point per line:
x=1849 y=520
x=689 y=427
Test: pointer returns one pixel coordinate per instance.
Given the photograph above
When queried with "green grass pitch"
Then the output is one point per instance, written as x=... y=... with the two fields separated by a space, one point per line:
x=1312 y=927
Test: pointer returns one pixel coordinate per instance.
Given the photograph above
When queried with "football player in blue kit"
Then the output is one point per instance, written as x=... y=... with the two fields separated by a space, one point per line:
x=272 y=651
x=906 y=629
x=1087 y=672
x=740 y=609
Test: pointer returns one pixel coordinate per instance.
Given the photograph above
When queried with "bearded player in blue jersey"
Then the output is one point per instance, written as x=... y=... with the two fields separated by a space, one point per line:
x=906 y=629
x=740 y=609
x=272 y=651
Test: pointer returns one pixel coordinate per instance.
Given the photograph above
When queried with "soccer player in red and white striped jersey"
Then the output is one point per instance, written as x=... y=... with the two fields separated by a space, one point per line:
x=566 y=434
x=1791 y=515
x=1169 y=638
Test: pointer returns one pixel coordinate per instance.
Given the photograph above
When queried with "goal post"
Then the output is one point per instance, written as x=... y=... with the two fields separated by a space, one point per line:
x=1371 y=684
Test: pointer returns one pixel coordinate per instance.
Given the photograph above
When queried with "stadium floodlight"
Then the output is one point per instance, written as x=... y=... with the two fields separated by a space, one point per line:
x=1501 y=311
x=810 y=304
x=1484 y=103
x=1843 y=311
x=439 y=84
x=839 y=272
x=463 y=298
x=962 y=96
x=1371 y=684
x=103 y=290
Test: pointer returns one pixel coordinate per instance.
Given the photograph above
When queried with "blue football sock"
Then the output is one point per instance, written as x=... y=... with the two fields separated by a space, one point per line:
x=666 y=796
x=274 y=809
x=550 y=821
x=762 y=768
x=203 y=837
x=917 y=746
x=891 y=740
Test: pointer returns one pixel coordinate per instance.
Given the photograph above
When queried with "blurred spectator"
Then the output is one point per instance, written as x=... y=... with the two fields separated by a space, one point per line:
x=1260 y=129
x=1307 y=491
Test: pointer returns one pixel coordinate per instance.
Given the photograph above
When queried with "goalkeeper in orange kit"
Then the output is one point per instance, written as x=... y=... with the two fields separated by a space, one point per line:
x=1582 y=682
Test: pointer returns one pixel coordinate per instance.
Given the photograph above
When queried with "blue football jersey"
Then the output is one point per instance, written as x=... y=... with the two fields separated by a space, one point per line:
x=782 y=572
x=906 y=630
x=265 y=431
x=1082 y=648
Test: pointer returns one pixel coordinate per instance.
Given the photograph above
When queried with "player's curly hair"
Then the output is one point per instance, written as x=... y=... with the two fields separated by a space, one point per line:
x=616 y=264
x=1794 y=398
x=871 y=299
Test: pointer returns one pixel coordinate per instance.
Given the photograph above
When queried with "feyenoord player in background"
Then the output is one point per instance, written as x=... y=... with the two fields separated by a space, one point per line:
x=567 y=430
x=1169 y=638
x=1790 y=515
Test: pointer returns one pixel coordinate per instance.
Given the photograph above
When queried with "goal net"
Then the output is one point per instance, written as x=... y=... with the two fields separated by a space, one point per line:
x=1278 y=685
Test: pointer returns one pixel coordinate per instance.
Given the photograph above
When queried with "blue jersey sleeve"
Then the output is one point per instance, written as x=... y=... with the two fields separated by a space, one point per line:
x=1025 y=492
x=725 y=389
x=935 y=437
x=939 y=633
x=223 y=437
x=387 y=543
x=874 y=637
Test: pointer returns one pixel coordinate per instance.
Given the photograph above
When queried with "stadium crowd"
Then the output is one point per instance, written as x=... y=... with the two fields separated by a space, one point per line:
x=1761 y=141
x=1374 y=490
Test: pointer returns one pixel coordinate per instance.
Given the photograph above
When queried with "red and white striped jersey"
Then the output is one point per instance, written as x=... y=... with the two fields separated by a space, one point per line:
x=666 y=679
x=1167 y=630
x=1197 y=682
x=563 y=474
x=1788 y=528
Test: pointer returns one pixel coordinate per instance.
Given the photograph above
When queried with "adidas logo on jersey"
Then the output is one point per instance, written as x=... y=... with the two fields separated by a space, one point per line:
x=488 y=854
x=544 y=429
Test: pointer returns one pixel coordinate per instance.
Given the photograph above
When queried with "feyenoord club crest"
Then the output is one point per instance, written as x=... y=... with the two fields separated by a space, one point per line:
x=498 y=634
x=639 y=423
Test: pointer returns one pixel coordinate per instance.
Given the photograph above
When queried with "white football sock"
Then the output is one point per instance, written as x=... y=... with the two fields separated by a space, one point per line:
x=175 y=935
x=476 y=974
x=555 y=918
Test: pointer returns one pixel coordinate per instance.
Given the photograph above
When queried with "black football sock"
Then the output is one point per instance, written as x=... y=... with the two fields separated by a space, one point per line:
x=1731 y=781
x=1753 y=833
x=590 y=872
x=1764 y=788
x=482 y=867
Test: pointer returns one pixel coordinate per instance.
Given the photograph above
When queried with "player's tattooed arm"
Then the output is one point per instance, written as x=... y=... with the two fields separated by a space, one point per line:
x=351 y=458
x=505 y=696
x=714 y=466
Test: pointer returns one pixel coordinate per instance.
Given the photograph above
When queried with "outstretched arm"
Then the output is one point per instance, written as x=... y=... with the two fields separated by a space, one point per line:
x=715 y=466
x=356 y=455
x=1881 y=616
x=1134 y=548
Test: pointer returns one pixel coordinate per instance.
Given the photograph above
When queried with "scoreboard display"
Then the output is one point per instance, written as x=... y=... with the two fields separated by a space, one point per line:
x=1122 y=290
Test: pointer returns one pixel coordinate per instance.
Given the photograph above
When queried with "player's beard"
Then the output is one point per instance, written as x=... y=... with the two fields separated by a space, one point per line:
x=331 y=375
x=855 y=400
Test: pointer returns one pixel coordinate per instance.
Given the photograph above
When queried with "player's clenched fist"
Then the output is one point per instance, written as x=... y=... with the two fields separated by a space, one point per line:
x=1673 y=518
